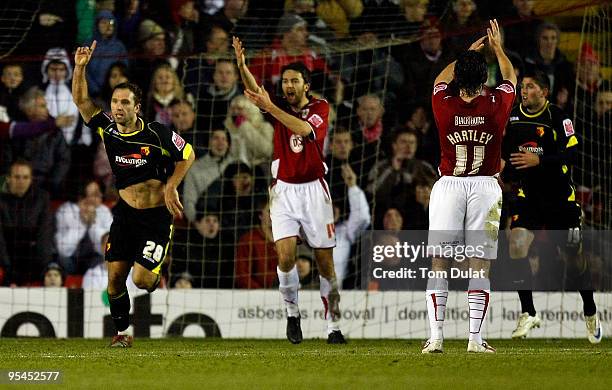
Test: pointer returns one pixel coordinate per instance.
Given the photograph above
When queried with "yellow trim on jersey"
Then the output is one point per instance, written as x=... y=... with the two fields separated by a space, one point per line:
x=572 y=197
x=521 y=193
x=187 y=151
x=133 y=132
x=572 y=141
x=156 y=269
x=537 y=113
x=564 y=168
x=554 y=134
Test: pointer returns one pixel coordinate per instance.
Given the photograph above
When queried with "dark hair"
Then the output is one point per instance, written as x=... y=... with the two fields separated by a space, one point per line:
x=403 y=130
x=470 y=72
x=20 y=161
x=540 y=78
x=177 y=101
x=300 y=68
x=82 y=190
x=106 y=89
x=132 y=87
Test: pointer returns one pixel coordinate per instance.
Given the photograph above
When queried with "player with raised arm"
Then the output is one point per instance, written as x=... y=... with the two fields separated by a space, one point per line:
x=300 y=202
x=465 y=203
x=148 y=162
x=541 y=147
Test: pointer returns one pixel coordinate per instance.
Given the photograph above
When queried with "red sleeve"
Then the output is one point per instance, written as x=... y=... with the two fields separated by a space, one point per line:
x=504 y=99
x=318 y=118
x=243 y=263
x=440 y=91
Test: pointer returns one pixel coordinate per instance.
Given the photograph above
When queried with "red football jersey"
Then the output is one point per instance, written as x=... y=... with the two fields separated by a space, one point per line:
x=298 y=159
x=471 y=133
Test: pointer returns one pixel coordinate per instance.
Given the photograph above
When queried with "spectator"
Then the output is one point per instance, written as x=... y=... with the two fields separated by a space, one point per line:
x=547 y=57
x=420 y=121
x=251 y=134
x=315 y=24
x=53 y=276
x=414 y=12
x=368 y=132
x=53 y=25
x=422 y=61
x=418 y=212
x=185 y=18
x=349 y=229
x=116 y=74
x=256 y=257
x=11 y=89
x=521 y=30
x=48 y=152
x=228 y=16
x=80 y=226
x=291 y=46
x=371 y=69
x=57 y=73
x=392 y=220
x=210 y=7
x=337 y=14
x=85 y=13
x=214 y=101
x=588 y=78
x=165 y=87
x=494 y=73
x=109 y=50
x=198 y=72
x=149 y=54
x=242 y=190
x=463 y=25
x=128 y=20
x=205 y=252
x=25 y=227
x=206 y=170
x=306 y=272
x=184 y=281
x=392 y=180
x=183 y=122
x=341 y=146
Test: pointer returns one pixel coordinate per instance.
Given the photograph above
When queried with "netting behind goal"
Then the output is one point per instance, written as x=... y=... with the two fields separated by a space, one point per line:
x=16 y=17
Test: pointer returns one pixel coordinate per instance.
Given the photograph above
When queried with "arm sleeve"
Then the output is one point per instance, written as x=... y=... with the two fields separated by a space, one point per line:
x=565 y=140
x=99 y=122
x=172 y=144
x=504 y=99
x=317 y=118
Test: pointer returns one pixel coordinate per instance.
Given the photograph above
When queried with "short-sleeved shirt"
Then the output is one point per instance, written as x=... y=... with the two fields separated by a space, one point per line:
x=298 y=159
x=549 y=133
x=471 y=133
x=148 y=153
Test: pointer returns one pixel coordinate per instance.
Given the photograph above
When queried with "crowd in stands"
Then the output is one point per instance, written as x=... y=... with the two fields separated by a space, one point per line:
x=373 y=60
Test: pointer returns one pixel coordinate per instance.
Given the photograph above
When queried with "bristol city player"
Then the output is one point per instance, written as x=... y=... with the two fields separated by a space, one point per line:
x=300 y=202
x=465 y=204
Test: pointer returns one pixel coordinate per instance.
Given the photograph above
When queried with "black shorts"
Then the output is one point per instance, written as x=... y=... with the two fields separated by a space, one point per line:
x=539 y=215
x=140 y=235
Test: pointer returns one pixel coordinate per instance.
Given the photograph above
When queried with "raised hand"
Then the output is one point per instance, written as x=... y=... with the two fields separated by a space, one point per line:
x=494 y=35
x=479 y=44
x=83 y=54
x=259 y=98
x=239 y=51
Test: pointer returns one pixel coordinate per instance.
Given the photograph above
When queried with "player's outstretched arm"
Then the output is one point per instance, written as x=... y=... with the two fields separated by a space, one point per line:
x=505 y=66
x=171 y=196
x=245 y=74
x=262 y=100
x=80 y=95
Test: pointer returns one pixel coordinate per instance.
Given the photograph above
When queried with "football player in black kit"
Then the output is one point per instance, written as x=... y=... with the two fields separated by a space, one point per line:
x=148 y=162
x=540 y=146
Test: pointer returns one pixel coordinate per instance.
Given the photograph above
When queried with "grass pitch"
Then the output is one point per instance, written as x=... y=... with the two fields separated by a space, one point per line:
x=383 y=364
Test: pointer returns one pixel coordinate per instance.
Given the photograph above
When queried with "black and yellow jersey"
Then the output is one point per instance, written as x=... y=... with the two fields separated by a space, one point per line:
x=147 y=153
x=549 y=133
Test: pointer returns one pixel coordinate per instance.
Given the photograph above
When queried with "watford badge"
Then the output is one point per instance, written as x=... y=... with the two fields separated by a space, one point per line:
x=540 y=131
x=144 y=150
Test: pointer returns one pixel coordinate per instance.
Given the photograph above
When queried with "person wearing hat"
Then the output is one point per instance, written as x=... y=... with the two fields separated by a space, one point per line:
x=53 y=275
x=152 y=47
x=183 y=281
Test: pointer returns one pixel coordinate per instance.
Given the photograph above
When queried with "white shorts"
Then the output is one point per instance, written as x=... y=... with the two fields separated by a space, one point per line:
x=466 y=211
x=303 y=210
